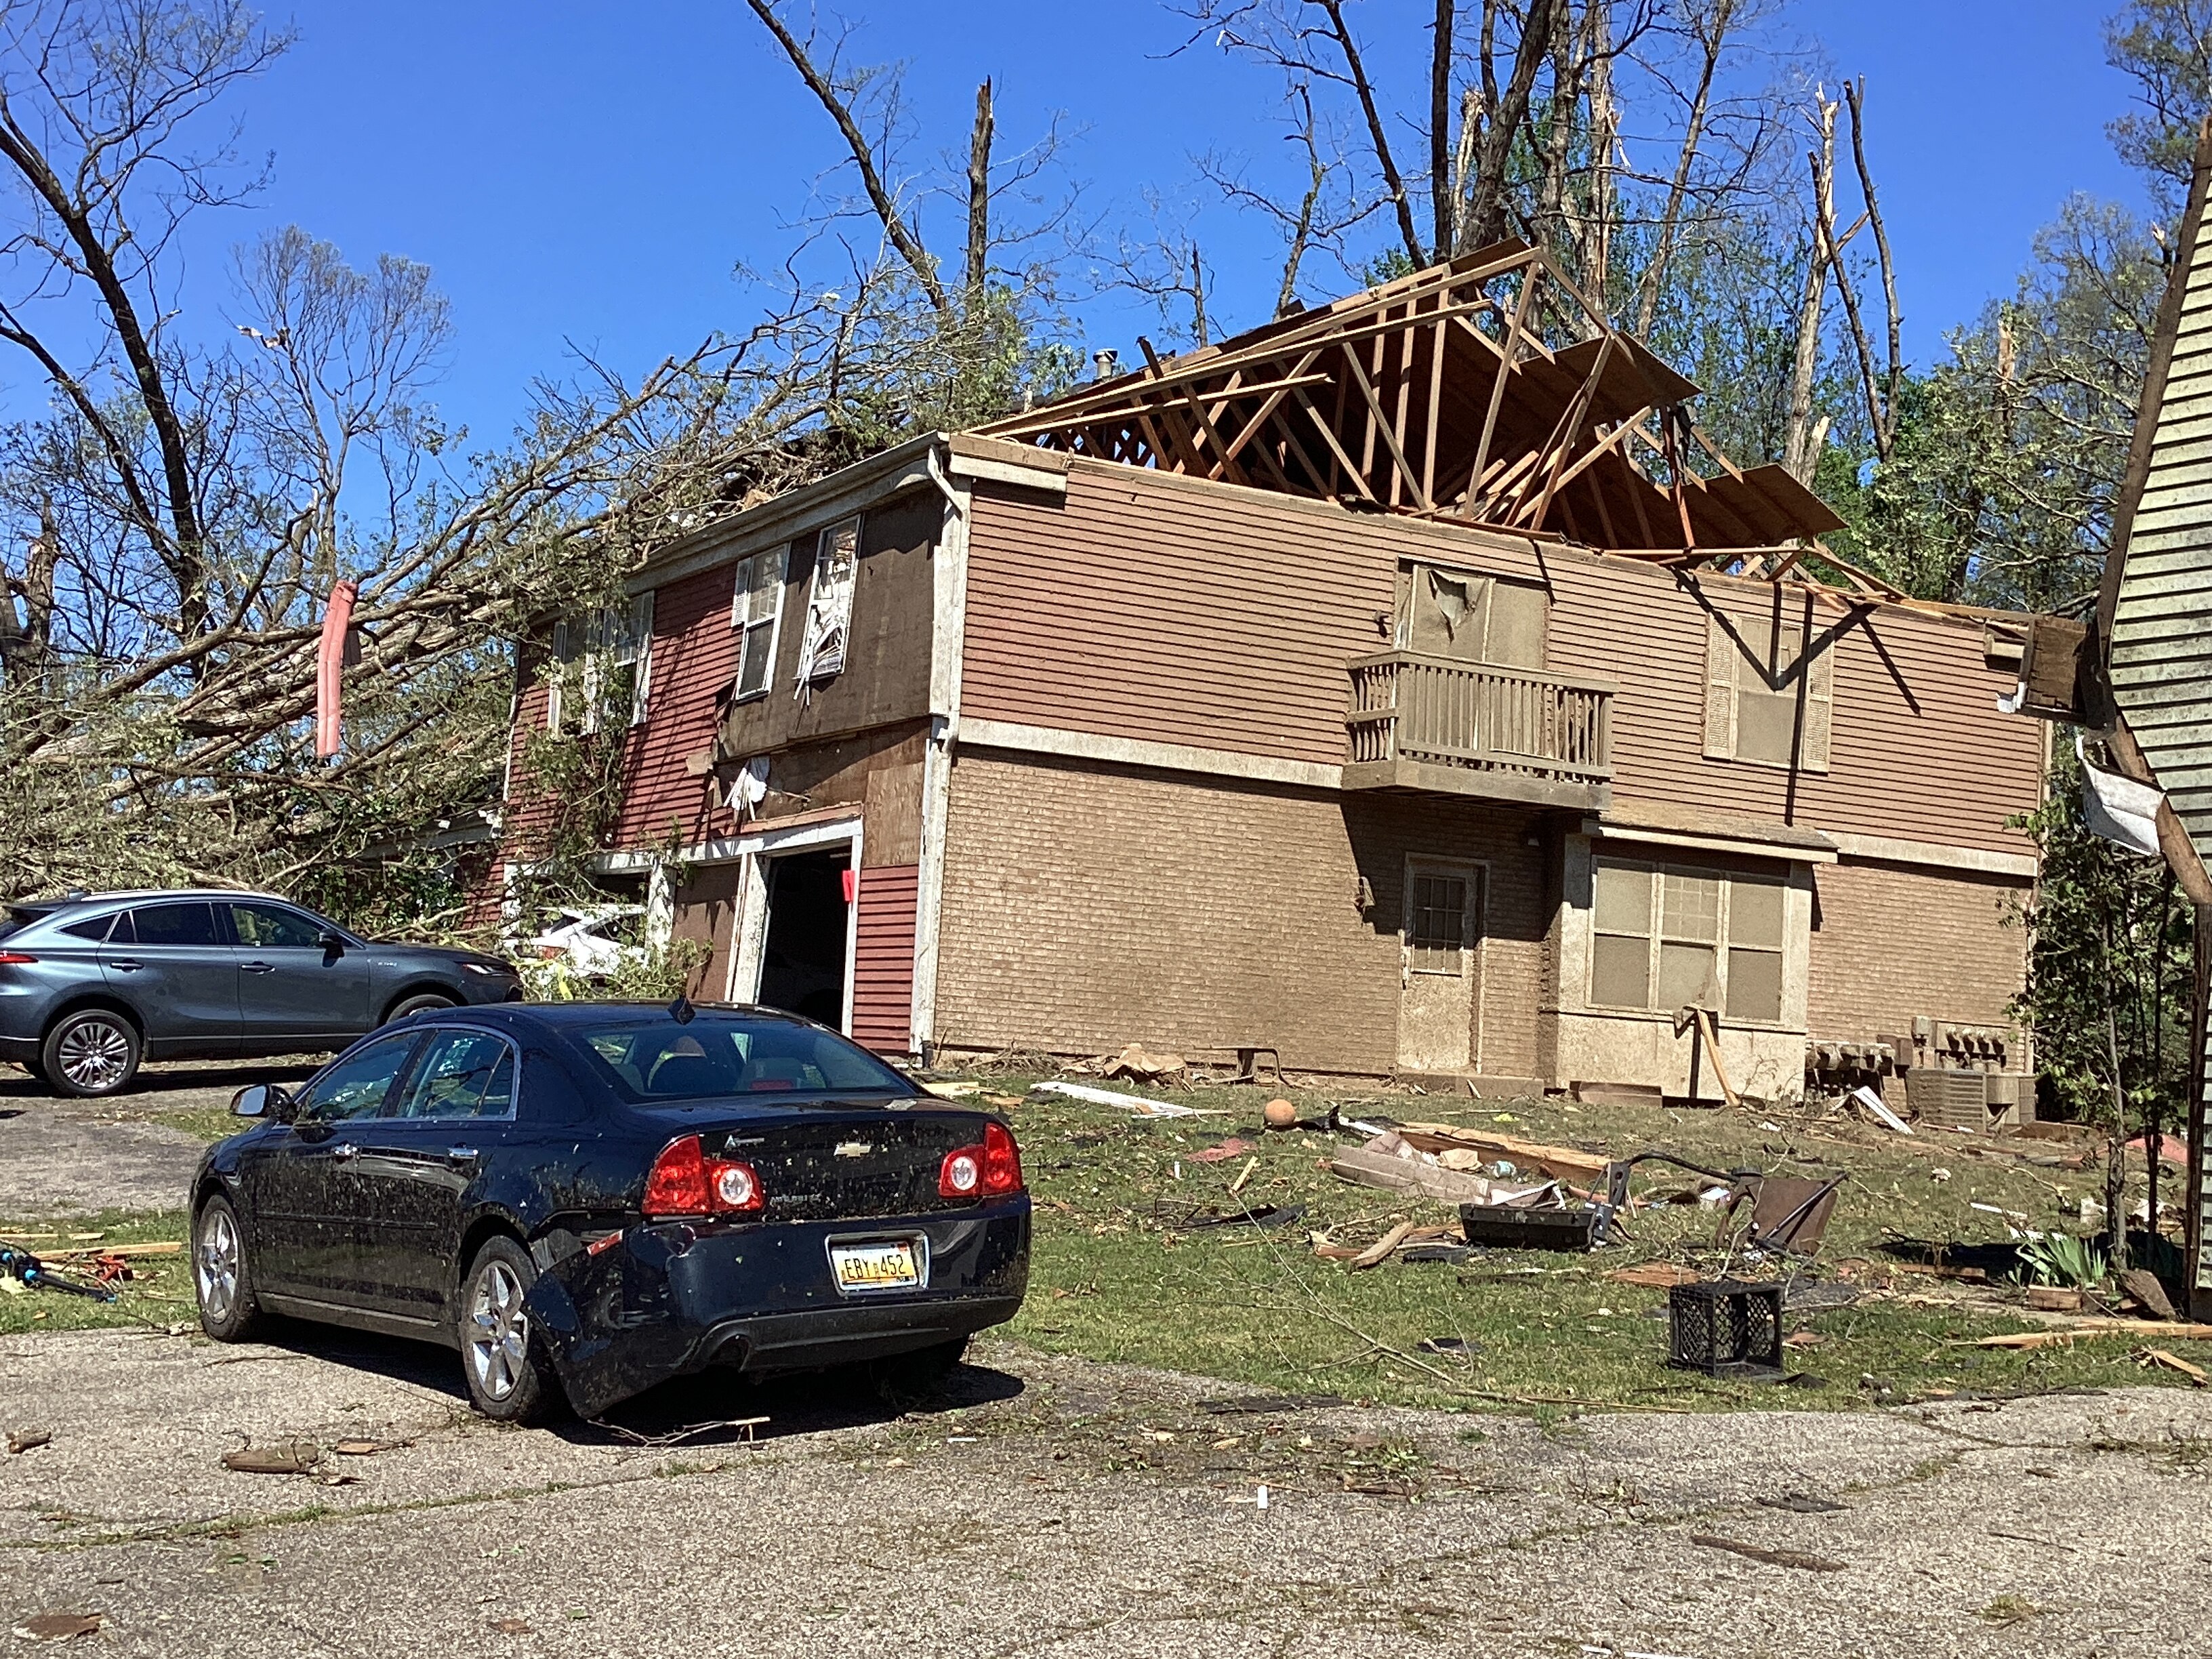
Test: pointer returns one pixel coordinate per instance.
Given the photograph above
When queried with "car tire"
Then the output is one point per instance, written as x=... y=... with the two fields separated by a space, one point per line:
x=90 y=1053
x=420 y=1002
x=922 y=1372
x=223 y=1274
x=502 y=1361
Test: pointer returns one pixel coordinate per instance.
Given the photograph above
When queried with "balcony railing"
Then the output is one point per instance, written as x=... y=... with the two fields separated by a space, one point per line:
x=1475 y=728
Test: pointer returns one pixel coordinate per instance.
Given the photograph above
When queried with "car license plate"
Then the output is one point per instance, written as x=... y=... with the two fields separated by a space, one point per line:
x=891 y=1266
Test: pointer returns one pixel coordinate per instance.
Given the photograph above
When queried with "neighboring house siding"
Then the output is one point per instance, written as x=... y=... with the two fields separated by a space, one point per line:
x=1891 y=943
x=1155 y=608
x=883 y=968
x=1086 y=908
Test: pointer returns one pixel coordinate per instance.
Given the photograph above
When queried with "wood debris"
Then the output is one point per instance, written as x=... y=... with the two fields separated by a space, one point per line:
x=289 y=1457
x=2159 y=1357
x=1797 y=1559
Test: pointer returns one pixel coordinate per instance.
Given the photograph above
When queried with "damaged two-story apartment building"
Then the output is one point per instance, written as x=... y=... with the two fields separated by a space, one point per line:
x=1386 y=687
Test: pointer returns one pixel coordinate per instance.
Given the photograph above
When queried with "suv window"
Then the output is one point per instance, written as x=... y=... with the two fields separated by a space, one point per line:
x=463 y=1074
x=93 y=928
x=356 y=1085
x=190 y=923
x=270 y=926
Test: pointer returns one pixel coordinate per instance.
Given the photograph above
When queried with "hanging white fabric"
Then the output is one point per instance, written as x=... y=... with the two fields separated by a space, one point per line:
x=828 y=605
x=749 y=787
x=2120 y=809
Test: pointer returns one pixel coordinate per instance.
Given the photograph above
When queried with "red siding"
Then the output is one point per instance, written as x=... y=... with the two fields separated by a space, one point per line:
x=695 y=655
x=883 y=968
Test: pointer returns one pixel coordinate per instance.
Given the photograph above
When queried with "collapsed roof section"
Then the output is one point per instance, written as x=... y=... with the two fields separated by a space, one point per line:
x=1437 y=395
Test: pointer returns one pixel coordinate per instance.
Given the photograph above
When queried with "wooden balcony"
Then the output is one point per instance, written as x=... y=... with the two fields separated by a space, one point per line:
x=1466 y=728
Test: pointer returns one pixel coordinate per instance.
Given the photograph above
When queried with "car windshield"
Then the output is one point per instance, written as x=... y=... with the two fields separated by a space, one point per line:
x=657 y=1058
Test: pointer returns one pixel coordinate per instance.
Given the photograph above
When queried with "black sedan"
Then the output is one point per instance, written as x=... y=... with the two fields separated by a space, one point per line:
x=587 y=1199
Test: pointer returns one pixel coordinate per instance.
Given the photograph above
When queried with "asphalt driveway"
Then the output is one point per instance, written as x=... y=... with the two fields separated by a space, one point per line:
x=1048 y=1506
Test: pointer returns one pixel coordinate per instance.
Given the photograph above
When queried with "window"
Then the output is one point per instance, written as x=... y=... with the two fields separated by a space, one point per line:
x=1437 y=932
x=267 y=926
x=463 y=1074
x=175 y=924
x=1758 y=680
x=605 y=662
x=355 y=1085
x=94 y=929
x=1473 y=618
x=1667 y=936
x=829 y=604
x=660 y=1059
x=757 y=609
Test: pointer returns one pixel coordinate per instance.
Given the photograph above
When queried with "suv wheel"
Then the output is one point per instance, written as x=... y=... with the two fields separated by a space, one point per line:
x=94 y=1051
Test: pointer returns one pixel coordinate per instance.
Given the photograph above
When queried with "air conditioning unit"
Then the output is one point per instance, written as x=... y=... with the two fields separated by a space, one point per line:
x=1947 y=1099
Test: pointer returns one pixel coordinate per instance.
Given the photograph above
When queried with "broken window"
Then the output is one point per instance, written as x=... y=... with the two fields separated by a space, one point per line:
x=1666 y=937
x=1471 y=618
x=1436 y=930
x=1767 y=700
x=829 y=604
x=757 y=611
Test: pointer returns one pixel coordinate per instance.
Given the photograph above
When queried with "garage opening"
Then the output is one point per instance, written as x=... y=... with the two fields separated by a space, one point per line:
x=803 y=961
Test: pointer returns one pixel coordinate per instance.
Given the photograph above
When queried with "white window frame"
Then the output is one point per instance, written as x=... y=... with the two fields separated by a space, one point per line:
x=823 y=647
x=615 y=636
x=747 y=625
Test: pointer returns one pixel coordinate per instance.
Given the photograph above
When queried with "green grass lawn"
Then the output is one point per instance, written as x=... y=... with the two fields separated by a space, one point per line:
x=1114 y=1279
x=1544 y=1331
x=160 y=1294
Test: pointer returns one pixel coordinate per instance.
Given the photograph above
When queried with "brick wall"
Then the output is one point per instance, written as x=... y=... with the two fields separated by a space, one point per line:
x=1086 y=908
x=1889 y=943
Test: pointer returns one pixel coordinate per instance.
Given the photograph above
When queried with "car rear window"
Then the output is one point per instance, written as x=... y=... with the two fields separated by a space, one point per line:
x=17 y=917
x=658 y=1059
x=93 y=927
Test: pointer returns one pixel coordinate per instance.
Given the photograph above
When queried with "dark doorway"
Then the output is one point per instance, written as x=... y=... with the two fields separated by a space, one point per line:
x=803 y=961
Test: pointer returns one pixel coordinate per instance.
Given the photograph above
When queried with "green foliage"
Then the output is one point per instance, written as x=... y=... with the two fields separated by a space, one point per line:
x=2107 y=977
x=2059 y=1258
x=2165 y=47
x=656 y=973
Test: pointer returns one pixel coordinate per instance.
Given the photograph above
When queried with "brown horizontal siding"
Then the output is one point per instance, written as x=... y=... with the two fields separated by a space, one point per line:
x=883 y=962
x=1151 y=608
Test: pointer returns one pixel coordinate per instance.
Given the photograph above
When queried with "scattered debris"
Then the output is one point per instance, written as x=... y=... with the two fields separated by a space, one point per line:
x=1228 y=1148
x=952 y=1091
x=1390 y=1162
x=1279 y=1115
x=368 y=1447
x=1797 y=1559
x=1726 y=1328
x=1136 y=1104
x=1799 y=1503
x=59 y=1627
x=2054 y=1299
x=1882 y=1114
x=1532 y=1227
x=1257 y=1404
x=1382 y=1248
x=1561 y=1162
x=290 y=1457
x=1243 y=1175
x=2173 y=1149
x=1653 y=1275
x=512 y=1627
x=2196 y=1374
x=745 y=1425
x=2145 y=1287
x=1171 y=1213
x=23 y=1440
x=1137 y=1065
x=1454 y=1347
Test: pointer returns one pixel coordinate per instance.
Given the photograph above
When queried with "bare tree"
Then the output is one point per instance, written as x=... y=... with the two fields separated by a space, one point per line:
x=1805 y=436
x=1709 y=26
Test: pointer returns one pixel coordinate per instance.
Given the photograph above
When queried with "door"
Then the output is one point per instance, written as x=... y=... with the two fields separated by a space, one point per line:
x=804 y=958
x=179 y=972
x=1438 y=965
x=418 y=1162
x=706 y=918
x=294 y=992
x=306 y=1206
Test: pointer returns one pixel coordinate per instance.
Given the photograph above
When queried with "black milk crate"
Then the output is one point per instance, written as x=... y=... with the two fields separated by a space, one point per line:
x=1726 y=1328
x=1504 y=1227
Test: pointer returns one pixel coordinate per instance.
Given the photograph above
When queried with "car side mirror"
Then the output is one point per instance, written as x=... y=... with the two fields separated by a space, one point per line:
x=262 y=1100
x=333 y=941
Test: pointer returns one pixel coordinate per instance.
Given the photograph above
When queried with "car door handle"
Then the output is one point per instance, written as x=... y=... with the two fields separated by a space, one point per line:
x=461 y=1154
x=123 y=964
x=259 y=967
x=345 y=1149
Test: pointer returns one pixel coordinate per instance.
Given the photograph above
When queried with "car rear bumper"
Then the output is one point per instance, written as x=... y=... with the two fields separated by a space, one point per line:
x=658 y=1302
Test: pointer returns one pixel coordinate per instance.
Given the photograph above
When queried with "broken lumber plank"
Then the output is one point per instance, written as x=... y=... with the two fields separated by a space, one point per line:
x=1556 y=1160
x=1408 y=1175
x=1381 y=1249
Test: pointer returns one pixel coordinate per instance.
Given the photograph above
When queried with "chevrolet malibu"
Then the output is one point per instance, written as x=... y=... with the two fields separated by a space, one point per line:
x=587 y=1199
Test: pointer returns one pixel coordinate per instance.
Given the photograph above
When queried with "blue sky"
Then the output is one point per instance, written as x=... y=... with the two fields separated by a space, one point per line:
x=595 y=172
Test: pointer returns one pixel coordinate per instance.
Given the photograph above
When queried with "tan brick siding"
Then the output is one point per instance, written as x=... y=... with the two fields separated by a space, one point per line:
x=1890 y=943
x=1085 y=907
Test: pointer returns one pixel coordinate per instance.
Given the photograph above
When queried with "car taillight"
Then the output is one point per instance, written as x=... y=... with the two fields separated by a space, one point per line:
x=10 y=958
x=990 y=1170
x=685 y=1182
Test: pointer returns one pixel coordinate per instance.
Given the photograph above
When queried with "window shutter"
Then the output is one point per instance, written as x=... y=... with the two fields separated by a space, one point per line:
x=1720 y=689
x=641 y=676
x=1820 y=705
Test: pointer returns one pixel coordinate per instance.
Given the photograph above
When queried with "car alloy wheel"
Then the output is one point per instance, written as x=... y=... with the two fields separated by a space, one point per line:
x=94 y=1053
x=216 y=1265
x=499 y=1331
